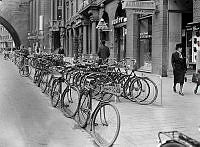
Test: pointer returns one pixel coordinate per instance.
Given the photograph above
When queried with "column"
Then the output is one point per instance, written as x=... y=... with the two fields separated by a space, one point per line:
x=132 y=48
x=63 y=9
x=52 y=8
x=70 y=43
x=66 y=43
x=160 y=50
x=37 y=14
x=80 y=44
x=94 y=39
x=34 y=12
x=85 y=38
x=31 y=15
x=55 y=9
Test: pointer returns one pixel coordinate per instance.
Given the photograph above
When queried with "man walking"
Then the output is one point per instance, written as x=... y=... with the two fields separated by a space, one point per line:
x=103 y=53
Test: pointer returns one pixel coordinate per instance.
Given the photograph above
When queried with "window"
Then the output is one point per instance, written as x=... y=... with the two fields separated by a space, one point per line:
x=145 y=41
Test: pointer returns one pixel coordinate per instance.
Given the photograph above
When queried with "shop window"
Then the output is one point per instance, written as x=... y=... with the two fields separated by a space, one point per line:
x=145 y=37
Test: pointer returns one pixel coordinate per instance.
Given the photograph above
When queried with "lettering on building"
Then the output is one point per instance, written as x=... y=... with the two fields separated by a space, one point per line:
x=119 y=20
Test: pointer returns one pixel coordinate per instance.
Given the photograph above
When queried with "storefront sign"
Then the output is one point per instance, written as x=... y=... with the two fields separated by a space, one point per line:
x=130 y=4
x=119 y=20
x=140 y=11
x=140 y=7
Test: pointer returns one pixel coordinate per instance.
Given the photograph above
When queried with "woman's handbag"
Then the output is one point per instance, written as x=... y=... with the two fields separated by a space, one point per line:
x=195 y=78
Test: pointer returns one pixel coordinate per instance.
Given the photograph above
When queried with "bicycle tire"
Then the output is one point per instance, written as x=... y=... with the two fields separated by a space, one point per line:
x=55 y=94
x=100 y=124
x=23 y=71
x=44 y=82
x=70 y=101
x=126 y=89
x=83 y=109
x=36 y=76
x=153 y=93
x=142 y=89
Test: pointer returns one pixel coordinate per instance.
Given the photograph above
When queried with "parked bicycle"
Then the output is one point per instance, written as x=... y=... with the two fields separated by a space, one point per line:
x=176 y=139
x=104 y=120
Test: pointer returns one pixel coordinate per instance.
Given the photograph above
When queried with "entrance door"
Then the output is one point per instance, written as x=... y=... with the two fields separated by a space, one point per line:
x=121 y=39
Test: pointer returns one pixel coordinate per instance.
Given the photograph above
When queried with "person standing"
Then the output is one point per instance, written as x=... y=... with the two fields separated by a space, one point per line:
x=61 y=51
x=198 y=81
x=103 y=52
x=179 y=68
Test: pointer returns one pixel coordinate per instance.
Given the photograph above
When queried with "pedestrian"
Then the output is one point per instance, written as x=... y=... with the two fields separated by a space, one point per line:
x=198 y=81
x=179 y=68
x=29 y=49
x=103 y=52
x=61 y=51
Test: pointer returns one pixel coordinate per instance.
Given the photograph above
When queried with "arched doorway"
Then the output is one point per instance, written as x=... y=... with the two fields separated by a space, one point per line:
x=120 y=32
x=11 y=30
x=105 y=33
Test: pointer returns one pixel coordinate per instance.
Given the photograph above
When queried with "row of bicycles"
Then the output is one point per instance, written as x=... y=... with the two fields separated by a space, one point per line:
x=85 y=92
x=57 y=79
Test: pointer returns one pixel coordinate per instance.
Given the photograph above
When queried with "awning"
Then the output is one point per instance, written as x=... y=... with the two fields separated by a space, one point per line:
x=195 y=26
x=193 y=23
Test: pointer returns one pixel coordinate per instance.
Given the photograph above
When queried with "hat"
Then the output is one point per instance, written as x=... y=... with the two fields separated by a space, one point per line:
x=179 y=45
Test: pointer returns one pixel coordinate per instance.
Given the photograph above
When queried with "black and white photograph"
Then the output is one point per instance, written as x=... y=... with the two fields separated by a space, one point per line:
x=99 y=73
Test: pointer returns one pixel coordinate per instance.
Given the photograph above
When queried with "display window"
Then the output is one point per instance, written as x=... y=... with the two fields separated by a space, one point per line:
x=145 y=37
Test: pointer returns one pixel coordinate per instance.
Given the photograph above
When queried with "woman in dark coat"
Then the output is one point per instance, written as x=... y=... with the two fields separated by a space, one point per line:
x=179 y=68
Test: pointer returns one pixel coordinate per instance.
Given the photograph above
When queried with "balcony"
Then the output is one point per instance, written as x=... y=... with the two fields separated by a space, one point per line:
x=86 y=4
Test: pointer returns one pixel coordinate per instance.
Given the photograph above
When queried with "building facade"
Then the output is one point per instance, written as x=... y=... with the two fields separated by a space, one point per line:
x=39 y=35
x=148 y=36
x=6 y=40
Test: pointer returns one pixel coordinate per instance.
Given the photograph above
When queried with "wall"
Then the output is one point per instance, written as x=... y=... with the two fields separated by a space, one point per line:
x=16 y=14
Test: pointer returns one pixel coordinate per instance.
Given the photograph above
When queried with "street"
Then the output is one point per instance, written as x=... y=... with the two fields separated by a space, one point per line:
x=27 y=118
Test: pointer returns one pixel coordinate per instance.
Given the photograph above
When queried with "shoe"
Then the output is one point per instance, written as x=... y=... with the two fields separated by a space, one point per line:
x=195 y=91
x=181 y=93
x=174 y=89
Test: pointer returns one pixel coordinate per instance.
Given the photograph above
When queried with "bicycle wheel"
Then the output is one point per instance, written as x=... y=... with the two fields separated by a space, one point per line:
x=83 y=109
x=44 y=82
x=126 y=89
x=70 y=100
x=36 y=76
x=106 y=124
x=25 y=70
x=153 y=92
x=55 y=94
x=140 y=90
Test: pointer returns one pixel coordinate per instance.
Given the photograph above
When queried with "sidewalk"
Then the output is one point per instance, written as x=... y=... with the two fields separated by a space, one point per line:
x=28 y=119
x=141 y=124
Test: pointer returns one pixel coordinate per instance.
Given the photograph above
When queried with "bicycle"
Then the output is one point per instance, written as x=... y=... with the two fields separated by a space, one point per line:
x=24 y=67
x=177 y=139
x=68 y=98
x=104 y=120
